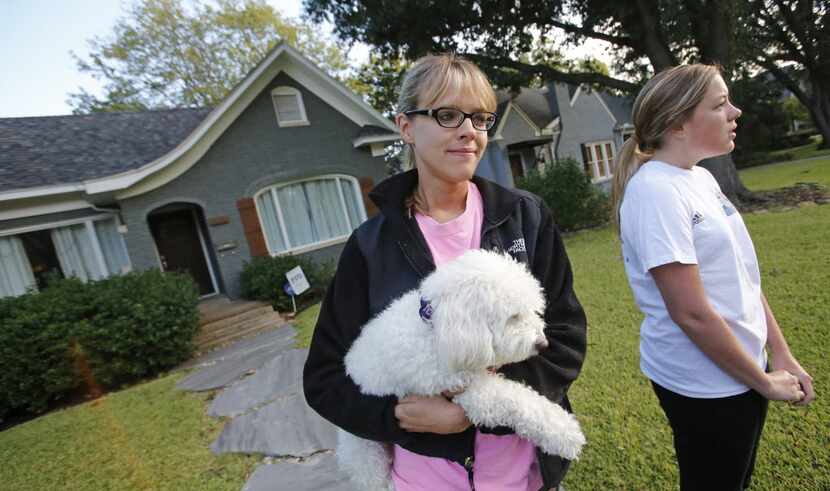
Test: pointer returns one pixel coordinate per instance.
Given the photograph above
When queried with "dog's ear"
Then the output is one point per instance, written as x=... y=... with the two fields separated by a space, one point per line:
x=463 y=338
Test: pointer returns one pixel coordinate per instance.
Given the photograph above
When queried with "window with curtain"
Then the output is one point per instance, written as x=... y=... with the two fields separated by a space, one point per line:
x=89 y=250
x=598 y=159
x=307 y=213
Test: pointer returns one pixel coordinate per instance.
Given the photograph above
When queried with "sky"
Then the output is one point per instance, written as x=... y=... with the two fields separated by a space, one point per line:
x=37 y=72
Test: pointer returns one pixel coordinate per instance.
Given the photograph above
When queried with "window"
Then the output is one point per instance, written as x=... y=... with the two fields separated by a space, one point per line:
x=289 y=107
x=91 y=249
x=308 y=214
x=598 y=159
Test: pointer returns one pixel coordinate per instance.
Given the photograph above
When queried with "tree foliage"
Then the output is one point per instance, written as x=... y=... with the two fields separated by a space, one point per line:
x=794 y=37
x=645 y=36
x=168 y=53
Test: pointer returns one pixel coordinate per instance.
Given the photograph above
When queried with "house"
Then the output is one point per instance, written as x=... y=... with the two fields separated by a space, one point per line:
x=557 y=121
x=282 y=166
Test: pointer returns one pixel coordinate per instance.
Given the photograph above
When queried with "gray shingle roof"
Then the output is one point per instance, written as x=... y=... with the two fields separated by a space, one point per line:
x=539 y=104
x=373 y=130
x=51 y=150
x=620 y=107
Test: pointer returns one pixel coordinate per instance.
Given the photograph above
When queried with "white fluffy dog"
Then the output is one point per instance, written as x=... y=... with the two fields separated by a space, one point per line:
x=477 y=312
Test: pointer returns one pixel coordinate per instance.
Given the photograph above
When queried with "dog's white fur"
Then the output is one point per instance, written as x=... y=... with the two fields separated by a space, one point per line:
x=487 y=311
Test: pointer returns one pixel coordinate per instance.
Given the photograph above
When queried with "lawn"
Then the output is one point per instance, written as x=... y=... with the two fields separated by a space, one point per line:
x=787 y=174
x=153 y=436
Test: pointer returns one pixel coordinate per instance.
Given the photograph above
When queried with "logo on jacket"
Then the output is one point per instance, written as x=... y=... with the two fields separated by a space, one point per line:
x=517 y=246
x=696 y=218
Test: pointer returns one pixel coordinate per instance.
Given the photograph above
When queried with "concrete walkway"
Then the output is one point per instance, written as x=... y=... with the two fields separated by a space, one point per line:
x=261 y=395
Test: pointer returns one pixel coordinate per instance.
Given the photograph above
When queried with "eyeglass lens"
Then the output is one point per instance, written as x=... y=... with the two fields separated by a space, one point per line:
x=453 y=118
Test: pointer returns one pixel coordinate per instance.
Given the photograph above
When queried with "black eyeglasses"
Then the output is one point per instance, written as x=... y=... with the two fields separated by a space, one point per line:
x=449 y=117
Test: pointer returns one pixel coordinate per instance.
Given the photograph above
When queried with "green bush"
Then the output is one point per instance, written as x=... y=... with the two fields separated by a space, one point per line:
x=575 y=202
x=263 y=278
x=75 y=336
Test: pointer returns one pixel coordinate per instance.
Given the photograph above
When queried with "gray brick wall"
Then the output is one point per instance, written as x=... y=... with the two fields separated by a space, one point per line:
x=254 y=152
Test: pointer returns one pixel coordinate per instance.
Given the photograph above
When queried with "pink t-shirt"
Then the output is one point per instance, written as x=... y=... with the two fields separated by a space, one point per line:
x=502 y=463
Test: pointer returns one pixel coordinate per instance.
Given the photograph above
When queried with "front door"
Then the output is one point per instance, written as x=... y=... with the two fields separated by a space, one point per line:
x=179 y=243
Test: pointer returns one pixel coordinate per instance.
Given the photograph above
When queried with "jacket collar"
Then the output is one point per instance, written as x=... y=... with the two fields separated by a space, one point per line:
x=389 y=196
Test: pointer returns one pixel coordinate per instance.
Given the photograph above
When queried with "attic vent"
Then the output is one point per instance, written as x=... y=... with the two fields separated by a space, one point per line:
x=289 y=107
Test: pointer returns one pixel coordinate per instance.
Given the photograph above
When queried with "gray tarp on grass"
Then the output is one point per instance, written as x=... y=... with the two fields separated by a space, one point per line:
x=286 y=426
x=278 y=377
x=318 y=472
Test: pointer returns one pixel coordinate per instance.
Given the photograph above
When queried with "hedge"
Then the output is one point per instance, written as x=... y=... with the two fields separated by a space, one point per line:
x=74 y=337
x=263 y=279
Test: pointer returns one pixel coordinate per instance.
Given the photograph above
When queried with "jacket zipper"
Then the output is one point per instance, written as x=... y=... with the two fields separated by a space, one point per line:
x=468 y=465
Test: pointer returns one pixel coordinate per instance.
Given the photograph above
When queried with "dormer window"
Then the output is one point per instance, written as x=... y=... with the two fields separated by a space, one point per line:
x=289 y=107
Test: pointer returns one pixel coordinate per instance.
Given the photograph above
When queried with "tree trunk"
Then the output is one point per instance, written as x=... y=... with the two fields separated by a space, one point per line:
x=820 y=112
x=724 y=171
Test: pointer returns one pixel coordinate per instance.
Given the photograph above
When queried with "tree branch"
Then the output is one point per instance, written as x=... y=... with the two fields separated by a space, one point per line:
x=552 y=74
x=584 y=31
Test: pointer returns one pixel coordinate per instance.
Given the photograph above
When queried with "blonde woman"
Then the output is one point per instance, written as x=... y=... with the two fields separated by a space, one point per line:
x=429 y=215
x=692 y=268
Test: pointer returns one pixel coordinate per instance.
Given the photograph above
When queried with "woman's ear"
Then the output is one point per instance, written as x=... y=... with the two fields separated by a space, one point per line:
x=405 y=127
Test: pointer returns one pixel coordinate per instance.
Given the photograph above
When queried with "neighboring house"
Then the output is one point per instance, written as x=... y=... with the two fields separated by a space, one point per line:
x=282 y=166
x=555 y=122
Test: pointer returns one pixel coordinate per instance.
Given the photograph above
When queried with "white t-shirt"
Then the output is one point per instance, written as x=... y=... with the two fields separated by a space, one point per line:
x=670 y=214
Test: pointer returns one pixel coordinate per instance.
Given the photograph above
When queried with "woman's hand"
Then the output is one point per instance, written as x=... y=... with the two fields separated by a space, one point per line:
x=781 y=385
x=431 y=414
x=788 y=363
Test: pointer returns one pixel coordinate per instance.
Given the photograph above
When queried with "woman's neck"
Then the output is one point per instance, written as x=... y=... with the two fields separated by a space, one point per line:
x=444 y=200
x=678 y=157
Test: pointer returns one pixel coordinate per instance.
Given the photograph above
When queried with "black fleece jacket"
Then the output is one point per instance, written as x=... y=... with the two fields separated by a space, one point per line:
x=388 y=256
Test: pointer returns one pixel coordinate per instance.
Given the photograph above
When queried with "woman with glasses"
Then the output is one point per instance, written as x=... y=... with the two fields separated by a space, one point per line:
x=429 y=215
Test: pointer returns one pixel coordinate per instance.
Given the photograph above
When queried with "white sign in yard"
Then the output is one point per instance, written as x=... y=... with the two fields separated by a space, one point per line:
x=297 y=280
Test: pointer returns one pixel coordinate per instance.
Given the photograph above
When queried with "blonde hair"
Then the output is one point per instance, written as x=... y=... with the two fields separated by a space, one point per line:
x=428 y=80
x=665 y=102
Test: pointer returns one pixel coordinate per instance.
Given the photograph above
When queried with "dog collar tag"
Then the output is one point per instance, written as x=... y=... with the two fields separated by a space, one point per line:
x=425 y=311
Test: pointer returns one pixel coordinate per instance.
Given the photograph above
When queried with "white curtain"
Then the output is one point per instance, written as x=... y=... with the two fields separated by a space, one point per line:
x=352 y=203
x=112 y=246
x=295 y=212
x=73 y=245
x=268 y=217
x=326 y=210
x=15 y=271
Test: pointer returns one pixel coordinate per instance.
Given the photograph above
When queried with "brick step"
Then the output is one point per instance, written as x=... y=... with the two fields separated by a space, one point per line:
x=232 y=327
x=249 y=331
x=242 y=316
x=222 y=309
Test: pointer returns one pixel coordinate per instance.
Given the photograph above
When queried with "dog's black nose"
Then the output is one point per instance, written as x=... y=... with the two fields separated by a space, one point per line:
x=541 y=343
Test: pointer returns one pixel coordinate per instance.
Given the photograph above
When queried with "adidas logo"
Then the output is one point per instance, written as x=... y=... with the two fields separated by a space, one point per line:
x=696 y=218
x=517 y=246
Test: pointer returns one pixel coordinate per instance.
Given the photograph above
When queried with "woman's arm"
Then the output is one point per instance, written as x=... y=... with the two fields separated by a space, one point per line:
x=682 y=291
x=328 y=390
x=782 y=358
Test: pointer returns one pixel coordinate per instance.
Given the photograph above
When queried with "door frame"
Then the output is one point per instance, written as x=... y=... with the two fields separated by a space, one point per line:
x=194 y=209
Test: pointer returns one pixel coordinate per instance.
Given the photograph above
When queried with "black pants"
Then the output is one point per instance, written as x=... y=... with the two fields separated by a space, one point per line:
x=716 y=440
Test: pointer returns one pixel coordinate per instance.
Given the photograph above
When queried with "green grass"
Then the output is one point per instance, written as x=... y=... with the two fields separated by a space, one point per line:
x=304 y=323
x=787 y=174
x=148 y=437
x=630 y=443
x=805 y=151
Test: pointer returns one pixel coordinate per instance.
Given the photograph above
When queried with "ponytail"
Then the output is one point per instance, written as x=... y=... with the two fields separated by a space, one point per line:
x=628 y=162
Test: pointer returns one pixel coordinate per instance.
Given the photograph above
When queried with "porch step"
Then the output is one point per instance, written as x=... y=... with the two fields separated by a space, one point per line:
x=228 y=328
x=223 y=321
